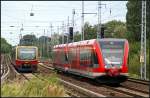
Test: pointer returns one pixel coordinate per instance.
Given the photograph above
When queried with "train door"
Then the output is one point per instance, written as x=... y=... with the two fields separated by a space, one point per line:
x=85 y=60
x=89 y=61
x=78 y=57
x=75 y=58
x=72 y=57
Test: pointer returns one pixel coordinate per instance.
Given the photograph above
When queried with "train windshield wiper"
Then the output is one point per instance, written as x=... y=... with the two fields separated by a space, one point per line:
x=110 y=62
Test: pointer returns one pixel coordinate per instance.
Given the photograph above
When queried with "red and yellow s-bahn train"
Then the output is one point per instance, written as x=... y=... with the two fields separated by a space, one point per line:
x=25 y=58
x=104 y=60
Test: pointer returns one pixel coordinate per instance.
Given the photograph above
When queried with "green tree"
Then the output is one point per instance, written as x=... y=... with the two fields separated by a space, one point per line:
x=133 y=18
x=115 y=29
x=77 y=36
x=5 y=46
x=89 y=31
x=148 y=19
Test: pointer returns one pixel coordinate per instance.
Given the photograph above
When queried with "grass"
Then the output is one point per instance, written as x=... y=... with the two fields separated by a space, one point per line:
x=34 y=88
x=134 y=59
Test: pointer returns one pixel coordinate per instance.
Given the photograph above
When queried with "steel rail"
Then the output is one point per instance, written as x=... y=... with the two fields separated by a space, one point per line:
x=5 y=75
x=145 y=82
x=128 y=91
x=79 y=89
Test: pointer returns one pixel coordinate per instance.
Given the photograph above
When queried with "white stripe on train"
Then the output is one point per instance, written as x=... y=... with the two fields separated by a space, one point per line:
x=85 y=73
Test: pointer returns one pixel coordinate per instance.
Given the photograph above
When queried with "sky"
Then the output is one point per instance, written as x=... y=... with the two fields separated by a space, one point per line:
x=16 y=15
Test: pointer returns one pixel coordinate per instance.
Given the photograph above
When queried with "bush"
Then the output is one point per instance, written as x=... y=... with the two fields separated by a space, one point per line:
x=35 y=87
x=134 y=59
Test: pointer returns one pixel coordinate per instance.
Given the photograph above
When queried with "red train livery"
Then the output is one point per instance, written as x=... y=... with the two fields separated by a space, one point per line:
x=102 y=59
x=26 y=58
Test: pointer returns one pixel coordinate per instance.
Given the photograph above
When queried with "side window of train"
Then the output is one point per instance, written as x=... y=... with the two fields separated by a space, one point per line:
x=95 y=59
x=85 y=57
x=89 y=58
x=71 y=55
x=65 y=58
x=18 y=57
x=81 y=57
x=59 y=56
x=88 y=52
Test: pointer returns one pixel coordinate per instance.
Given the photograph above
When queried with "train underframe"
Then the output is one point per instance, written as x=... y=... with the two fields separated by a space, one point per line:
x=111 y=80
x=103 y=78
x=26 y=68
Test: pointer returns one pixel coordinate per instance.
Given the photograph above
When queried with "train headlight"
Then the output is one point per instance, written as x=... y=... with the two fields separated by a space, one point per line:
x=105 y=66
x=120 y=66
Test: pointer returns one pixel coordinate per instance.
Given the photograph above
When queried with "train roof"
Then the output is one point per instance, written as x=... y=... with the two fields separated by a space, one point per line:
x=88 y=42
x=112 y=39
x=26 y=47
x=85 y=42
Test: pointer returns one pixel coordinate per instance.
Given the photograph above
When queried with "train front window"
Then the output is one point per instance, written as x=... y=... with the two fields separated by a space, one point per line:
x=112 y=52
x=26 y=54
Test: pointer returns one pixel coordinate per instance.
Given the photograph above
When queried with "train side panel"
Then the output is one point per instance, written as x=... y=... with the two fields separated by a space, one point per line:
x=87 y=58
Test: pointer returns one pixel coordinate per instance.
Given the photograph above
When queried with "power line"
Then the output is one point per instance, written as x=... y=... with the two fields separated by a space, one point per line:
x=99 y=20
x=82 y=35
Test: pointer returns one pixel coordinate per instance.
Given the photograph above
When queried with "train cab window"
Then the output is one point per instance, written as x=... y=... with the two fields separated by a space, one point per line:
x=112 y=52
x=26 y=53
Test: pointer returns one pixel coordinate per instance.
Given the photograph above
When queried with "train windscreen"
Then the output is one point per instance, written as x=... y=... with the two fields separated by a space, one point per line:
x=112 y=52
x=26 y=53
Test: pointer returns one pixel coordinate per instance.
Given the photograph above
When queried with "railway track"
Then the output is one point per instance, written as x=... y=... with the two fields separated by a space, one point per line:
x=142 y=86
x=5 y=69
x=9 y=71
x=145 y=82
x=75 y=90
x=128 y=91
x=134 y=89
x=27 y=76
x=80 y=88
x=2 y=62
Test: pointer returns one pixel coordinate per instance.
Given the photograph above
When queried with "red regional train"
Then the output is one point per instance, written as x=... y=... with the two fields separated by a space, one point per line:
x=26 y=58
x=104 y=60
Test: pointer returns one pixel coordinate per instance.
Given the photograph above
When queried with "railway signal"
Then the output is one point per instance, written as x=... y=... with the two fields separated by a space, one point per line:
x=102 y=32
x=32 y=14
x=73 y=14
x=99 y=27
x=71 y=33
